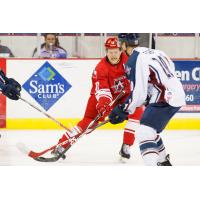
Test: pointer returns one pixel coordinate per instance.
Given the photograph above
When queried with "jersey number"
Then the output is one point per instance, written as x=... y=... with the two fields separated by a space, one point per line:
x=164 y=66
x=97 y=86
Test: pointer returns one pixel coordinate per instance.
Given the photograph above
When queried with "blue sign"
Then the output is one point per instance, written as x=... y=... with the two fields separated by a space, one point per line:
x=189 y=74
x=46 y=86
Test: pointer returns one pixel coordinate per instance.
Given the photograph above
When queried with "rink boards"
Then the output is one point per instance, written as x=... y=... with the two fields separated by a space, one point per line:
x=61 y=88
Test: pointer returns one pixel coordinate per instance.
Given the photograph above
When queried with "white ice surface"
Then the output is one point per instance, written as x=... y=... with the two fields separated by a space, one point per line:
x=98 y=148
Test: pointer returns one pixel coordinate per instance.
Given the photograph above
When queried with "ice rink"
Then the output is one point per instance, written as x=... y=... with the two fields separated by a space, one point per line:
x=99 y=148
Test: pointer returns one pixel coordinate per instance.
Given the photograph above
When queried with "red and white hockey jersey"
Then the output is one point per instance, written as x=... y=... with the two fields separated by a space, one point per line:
x=108 y=80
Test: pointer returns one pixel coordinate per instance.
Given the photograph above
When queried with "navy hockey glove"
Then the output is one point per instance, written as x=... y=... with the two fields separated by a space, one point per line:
x=11 y=92
x=117 y=115
x=9 y=81
x=14 y=83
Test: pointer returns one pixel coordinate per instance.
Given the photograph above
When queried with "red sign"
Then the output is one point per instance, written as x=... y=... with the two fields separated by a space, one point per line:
x=3 y=98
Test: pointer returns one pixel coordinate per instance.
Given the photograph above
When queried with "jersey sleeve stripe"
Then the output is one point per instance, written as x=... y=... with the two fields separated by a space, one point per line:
x=156 y=73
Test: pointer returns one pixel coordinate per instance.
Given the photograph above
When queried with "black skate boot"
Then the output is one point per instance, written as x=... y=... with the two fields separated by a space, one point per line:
x=166 y=162
x=57 y=151
x=125 y=151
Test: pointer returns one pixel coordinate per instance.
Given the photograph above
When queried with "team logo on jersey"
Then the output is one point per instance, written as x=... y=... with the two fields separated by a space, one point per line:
x=46 y=86
x=118 y=84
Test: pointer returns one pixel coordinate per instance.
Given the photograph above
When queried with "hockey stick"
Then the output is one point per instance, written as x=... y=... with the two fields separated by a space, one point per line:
x=74 y=139
x=44 y=113
x=36 y=155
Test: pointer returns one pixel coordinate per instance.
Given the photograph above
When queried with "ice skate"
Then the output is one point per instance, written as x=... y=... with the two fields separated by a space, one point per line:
x=125 y=152
x=58 y=150
x=166 y=162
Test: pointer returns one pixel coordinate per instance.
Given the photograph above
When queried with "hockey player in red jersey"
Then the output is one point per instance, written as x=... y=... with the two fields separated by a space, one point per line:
x=108 y=80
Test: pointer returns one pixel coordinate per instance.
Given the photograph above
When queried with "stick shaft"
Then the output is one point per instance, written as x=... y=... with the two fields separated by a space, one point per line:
x=72 y=140
x=37 y=154
x=44 y=113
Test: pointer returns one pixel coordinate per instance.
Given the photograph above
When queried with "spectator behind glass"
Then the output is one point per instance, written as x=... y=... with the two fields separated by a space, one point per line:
x=5 y=51
x=51 y=48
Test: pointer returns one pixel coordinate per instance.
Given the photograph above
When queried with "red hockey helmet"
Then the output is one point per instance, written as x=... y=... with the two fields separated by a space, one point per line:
x=112 y=43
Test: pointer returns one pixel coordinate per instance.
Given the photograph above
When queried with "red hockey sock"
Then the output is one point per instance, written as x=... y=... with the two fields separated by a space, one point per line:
x=63 y=139
x=83 y=124
x=74 y=132
x=129 y=137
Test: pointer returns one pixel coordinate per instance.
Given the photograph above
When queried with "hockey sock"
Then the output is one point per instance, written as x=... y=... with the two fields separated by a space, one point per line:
x=83 y=124
x=75 y=131
x=161 y=149
x=148 y=146
x=129 y=131
x=129 y=137
x=63 y=139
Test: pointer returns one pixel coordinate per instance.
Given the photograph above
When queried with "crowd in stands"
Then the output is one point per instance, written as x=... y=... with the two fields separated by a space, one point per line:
x=51 y=48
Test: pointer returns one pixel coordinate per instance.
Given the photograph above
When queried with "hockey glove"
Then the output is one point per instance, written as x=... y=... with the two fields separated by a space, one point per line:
x=103 y=107
x=10 y=81
x=118 y=115
x=14 y=83
x=11 y=92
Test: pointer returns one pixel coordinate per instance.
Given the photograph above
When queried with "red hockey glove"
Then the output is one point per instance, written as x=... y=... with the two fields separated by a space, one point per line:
x=103 y=107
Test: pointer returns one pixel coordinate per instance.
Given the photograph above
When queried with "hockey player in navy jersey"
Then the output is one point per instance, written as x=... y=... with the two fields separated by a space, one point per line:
x=9 y=87
x=153 y=79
